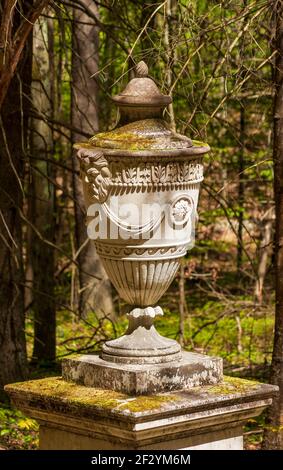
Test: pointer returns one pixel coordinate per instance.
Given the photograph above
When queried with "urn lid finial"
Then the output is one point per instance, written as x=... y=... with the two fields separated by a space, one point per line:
x=141 y=69
x=141 y=99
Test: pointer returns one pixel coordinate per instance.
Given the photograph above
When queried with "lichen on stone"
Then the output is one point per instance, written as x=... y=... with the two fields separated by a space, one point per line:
x=198 y=143
x=70 y=392
x=231 y=385
x=55 y=392
x=80 y=396
x=147 y=402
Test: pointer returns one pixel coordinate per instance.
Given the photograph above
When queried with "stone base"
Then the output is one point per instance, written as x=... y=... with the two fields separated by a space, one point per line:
x=141 y=343
x=229 y=439
x=75 y=417
x=193 y=370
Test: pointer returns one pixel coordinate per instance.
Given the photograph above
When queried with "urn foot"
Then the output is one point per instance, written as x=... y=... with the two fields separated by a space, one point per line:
x=142 y=344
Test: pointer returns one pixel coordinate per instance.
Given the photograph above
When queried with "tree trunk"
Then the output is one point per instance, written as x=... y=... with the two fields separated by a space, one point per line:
x=241 y=190
x=170 y=51
x=13 y=143
x=241 y=159
x=264 y=257
x=94 y=287
x=273 y=438
x=42 y=202
x=182 y=300
x=15 y=28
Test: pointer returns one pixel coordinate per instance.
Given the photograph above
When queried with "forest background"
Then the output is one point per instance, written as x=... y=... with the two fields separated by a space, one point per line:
x=60 y=62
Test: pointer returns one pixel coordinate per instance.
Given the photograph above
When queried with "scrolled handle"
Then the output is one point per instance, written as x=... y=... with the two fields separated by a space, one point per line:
x=96 y=174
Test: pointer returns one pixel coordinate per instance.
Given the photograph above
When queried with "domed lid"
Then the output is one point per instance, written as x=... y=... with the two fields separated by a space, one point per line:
x=144 y=134
x=141 y=127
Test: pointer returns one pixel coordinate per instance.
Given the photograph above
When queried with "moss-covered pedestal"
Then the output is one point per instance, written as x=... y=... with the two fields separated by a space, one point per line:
x=72 y=416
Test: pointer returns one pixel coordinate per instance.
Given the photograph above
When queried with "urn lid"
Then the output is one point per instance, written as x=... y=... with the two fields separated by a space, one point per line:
x=144 y=134
x=141 y=91
x=141 y=126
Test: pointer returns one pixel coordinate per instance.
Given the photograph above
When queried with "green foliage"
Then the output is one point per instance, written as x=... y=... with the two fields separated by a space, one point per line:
x=16 y=430
x=219 y=336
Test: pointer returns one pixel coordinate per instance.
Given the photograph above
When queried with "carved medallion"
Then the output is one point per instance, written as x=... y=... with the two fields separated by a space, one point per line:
x=181 y=210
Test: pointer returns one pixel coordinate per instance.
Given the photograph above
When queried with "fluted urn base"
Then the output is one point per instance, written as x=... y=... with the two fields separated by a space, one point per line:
x=142 y=344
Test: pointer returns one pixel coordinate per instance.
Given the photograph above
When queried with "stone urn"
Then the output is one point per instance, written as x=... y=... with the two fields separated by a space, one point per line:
x=141 y=185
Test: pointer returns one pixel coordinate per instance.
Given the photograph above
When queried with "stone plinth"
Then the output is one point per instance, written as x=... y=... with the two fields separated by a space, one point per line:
x=72 y=416
x=193 y=370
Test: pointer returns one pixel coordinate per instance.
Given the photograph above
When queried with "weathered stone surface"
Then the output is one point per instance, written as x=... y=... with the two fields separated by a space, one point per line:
x=77 y=417
x=193 y=370
x=141 y=343
x=52 y=438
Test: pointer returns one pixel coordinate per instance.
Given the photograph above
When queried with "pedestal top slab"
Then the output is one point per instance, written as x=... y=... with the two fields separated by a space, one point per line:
x=77 y=400
x=74 y=416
